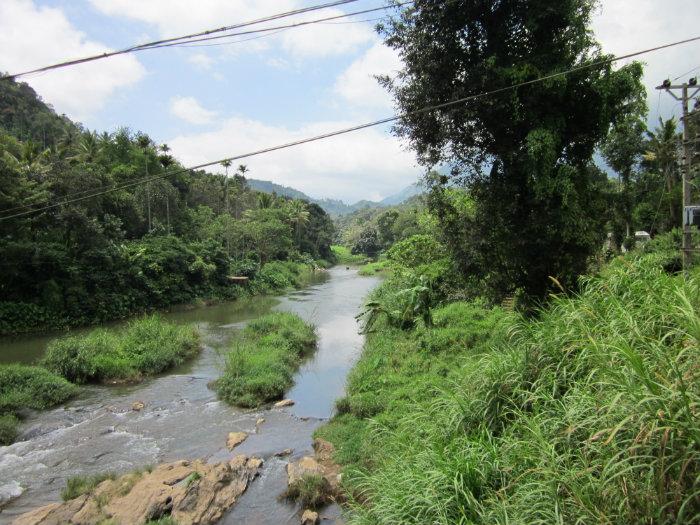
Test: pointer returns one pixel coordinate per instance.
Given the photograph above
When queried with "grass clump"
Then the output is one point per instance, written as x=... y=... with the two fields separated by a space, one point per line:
x=344 y=256
x=585 y=414
x=146 y=346
x=32 y=387
x=374 y=268
x=261 y=364
x=79 y=485
x=310 y=490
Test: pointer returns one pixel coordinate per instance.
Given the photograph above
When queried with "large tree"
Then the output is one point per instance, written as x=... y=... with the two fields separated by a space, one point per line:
x=524 y=153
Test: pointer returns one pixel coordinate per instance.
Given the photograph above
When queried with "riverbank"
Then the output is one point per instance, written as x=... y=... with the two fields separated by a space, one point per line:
x=273 y=278
x=584 y=414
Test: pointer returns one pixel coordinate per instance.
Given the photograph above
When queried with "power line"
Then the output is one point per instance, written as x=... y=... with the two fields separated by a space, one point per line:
x=358 y=127
x=278 y=29
x=156 y=43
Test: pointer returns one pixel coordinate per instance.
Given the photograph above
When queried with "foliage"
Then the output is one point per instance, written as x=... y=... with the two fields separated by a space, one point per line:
x=584 y=414
x=8 y=428
x=261 y=364
x=311 y=491
x=145 y=347
x=343 y=256
x=525 y=157
x=149 y=245
x=79 y=485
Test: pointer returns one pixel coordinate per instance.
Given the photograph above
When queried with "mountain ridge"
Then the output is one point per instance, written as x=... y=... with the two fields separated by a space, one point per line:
x=336 y=207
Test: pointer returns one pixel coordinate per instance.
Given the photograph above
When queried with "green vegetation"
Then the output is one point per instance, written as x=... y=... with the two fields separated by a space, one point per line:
x=145 y=347
x=373 y=268
x=262 y=362
x=149 y=245
x=343 y=256
x=311 y=491
x=79 y=485
x=23 y=387
x=583 y=414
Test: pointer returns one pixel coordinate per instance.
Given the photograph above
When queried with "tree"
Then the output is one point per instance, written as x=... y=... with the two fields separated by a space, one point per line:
x=662 y=153
x=298 y=214
x=622 y=150
x=524 y=154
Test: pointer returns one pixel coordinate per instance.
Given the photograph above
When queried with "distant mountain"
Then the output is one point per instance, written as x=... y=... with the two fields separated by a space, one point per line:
x=334 y=206
x=397 y=198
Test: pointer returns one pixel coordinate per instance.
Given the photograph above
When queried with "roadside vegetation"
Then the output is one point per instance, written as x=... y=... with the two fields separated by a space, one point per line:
x=28 y=387
x=262 y=361
x=144 y=347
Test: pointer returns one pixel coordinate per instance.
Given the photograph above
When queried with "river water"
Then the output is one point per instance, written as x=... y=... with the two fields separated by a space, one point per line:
x=182 y=419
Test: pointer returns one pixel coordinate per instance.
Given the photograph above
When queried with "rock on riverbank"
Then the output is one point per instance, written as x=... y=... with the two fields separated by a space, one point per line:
x=189 y=491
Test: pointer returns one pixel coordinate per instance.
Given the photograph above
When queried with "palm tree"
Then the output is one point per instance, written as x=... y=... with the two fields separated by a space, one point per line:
x=226 y=164
x=298 y=216
x=662 y=151
x=265 y=200
x=144 y=143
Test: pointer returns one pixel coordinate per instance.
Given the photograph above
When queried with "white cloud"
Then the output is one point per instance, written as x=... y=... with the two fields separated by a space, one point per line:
x=32 y=37
x=190 y=110
x=624 y=26
x=358 y=85
x=177 y=17
x=201 y=60
x=354 y=166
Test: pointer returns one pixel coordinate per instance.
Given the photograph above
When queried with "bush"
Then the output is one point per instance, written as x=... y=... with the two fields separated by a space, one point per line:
x=23 y=386
x=261 y=364
x=146 y=346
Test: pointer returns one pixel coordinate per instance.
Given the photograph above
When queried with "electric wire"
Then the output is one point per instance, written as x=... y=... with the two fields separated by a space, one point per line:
x=276 y=29
x=151 y=45
x=358 y=127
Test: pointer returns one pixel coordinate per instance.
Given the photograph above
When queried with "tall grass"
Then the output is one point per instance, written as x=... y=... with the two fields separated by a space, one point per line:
x=586 y=414
x=146 y=346
x=261 y=364
x=23 y=387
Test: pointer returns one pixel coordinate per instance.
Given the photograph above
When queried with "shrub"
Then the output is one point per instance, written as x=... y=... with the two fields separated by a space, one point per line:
x=262 y=362
x=146 y=346
x=23 y=386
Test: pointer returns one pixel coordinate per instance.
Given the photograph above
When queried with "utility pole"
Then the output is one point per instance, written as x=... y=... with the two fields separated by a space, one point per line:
x=687 y=164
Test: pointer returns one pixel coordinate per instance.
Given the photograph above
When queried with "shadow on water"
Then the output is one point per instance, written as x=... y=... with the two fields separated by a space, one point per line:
x=183 y=419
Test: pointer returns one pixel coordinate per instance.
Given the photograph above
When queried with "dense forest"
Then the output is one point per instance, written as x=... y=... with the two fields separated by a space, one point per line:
x=152 y=235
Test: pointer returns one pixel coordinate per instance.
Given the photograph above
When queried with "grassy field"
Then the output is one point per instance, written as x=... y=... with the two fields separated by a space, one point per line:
x=23 y=387
x=585 y=414
x=262 y=361
x=145 y=347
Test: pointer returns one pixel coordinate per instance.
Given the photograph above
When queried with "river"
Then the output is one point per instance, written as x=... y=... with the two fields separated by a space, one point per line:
x=182 y=419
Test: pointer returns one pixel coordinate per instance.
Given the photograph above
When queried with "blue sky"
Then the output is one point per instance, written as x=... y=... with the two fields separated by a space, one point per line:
x=211 y=102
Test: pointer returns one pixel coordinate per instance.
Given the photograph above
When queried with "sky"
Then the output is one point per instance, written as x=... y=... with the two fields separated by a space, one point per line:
x=212 y=102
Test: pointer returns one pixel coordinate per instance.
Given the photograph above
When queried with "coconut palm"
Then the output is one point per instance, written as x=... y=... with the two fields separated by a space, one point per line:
x=662 y=151
x=298 y=214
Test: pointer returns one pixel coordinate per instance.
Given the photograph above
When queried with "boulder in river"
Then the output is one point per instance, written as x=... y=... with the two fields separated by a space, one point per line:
x=309 y=517
x=284 y=403
x=235 y=438
x=190 y=492
x=137 y=406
